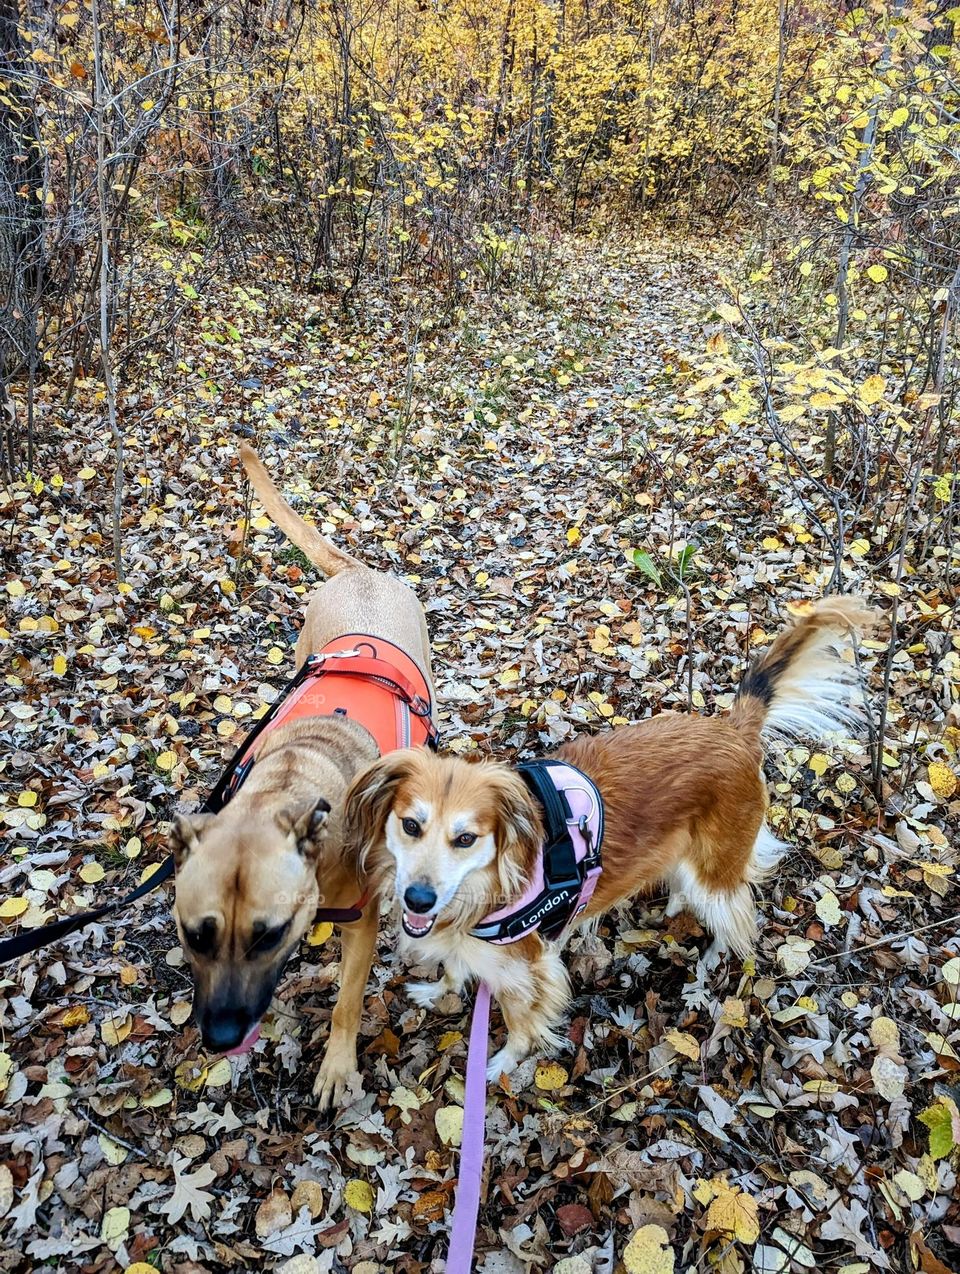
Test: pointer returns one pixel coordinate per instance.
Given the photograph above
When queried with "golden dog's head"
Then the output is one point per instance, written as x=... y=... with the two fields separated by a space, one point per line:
x=459 y=839
x=246 y=891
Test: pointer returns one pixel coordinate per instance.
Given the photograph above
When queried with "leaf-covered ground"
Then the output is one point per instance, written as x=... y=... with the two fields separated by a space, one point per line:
x=800 y=1113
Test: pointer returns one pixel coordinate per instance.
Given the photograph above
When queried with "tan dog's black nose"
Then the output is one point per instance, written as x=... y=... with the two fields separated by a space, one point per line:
x=224 y=1029
x=419 y=898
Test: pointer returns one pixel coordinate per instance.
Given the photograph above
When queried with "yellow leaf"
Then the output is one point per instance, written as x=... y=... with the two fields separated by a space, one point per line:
x=684 y=1043
x=79 y=1015
x=114 y=1226
x=872 y=389
x=550 y=1076
x=793 y=411
x=729 y=313
x=573 y=535
x=859 y=548
x=889 y=587
x=449 y=1121
x=113 y=1152
x=219 y=1073
x=733 y=1213
x=449 y=1038
x=59 y=665
x=166 y=761
x=274 y=655
x=10 y=908
x=162 y=1097
x=771 y=542
x=733 y=1012
x=942 y=779
x=91 y=873
x=884 y=1033
x=819 y=763
x=87 y=473
x=877 y=272
x=358 y=1196
x=190 y=1075
x=16 y=588
x=114 y=1030
x=649 y=1251
x=27 y=799
x=319 y=934
x=828 y=908
x=428 y=511
x=898 y=117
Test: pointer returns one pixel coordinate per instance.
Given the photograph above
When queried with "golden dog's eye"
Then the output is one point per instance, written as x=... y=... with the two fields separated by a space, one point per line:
x=465 y=840
x=411 y=827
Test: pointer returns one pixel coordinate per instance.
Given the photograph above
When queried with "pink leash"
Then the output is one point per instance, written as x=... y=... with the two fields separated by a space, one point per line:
x=464 y=1231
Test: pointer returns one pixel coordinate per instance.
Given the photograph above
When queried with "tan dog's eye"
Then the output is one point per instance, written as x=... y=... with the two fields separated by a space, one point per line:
x=411 y=827
x=266 y=939
x=465 y=840
x=203 y=940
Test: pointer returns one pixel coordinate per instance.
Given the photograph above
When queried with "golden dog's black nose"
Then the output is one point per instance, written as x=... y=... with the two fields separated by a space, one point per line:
x=419 y=898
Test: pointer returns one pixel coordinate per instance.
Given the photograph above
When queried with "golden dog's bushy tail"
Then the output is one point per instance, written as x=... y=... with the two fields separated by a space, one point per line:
x=324 y=555
x=801 y=687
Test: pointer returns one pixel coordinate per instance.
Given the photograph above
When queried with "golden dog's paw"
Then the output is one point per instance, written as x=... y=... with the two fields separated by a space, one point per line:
x=336 y=1077
x=426 y=994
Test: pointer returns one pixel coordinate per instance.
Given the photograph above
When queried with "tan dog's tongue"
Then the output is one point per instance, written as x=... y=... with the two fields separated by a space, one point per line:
x=246 y=1044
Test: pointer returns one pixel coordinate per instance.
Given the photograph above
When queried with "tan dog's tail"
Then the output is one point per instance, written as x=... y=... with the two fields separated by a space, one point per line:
x=801 y=687
x=324 y=555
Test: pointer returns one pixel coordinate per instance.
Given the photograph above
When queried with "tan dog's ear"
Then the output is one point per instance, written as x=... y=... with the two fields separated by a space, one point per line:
x=307 y=826
x=371 y=797
x=185 y=835
x=519 y=832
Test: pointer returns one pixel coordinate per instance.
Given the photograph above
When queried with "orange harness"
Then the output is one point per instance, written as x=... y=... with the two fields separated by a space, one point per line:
x=364 y=679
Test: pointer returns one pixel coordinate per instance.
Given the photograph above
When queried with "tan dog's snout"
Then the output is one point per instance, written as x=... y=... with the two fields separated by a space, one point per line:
x=246 y=890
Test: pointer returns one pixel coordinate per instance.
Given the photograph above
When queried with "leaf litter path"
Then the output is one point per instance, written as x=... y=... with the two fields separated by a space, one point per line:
x=504 y=462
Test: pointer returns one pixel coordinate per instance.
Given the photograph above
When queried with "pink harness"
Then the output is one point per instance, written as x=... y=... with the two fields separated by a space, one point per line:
x=569 y=865
x=559 y=890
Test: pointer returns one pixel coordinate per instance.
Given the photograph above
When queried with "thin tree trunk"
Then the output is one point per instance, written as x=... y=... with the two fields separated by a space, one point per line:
x=101 y=105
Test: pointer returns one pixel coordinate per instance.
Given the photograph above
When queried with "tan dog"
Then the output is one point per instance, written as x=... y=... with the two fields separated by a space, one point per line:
x=249 y=879
x=684 y=800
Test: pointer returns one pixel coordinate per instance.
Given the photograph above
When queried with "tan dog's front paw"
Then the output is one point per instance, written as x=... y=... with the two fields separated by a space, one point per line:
x=337 y=1074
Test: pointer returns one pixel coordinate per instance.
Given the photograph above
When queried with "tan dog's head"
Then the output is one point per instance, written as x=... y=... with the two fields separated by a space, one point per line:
x=459 y=839
x=246 y=891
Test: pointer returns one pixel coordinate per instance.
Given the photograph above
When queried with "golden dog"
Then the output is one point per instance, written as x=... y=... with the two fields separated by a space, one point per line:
x=684 y=802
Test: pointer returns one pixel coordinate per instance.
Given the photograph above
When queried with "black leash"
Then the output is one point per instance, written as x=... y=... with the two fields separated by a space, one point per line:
x=33 y=939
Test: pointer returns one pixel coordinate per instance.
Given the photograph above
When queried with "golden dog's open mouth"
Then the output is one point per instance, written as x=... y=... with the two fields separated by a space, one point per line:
x=416 y=926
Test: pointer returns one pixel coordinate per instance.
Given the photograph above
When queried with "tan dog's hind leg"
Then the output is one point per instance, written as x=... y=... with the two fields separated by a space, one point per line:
x=358 y=943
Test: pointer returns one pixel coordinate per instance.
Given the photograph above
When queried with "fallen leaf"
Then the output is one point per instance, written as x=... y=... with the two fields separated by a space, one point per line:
x=649 y=1252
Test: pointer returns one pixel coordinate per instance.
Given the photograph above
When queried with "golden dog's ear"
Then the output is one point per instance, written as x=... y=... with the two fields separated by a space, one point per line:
x=519 y=831
x=306 y=825
x=185 y=835
x=371 y=798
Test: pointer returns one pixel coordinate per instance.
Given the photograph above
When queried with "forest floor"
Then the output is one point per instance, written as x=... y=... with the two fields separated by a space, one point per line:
x=796 y=1113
